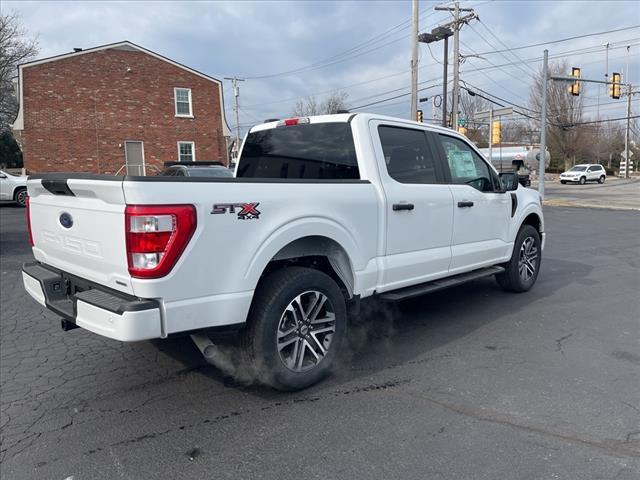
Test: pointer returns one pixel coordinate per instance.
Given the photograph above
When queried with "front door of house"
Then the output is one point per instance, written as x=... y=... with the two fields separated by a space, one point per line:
x=134 y=157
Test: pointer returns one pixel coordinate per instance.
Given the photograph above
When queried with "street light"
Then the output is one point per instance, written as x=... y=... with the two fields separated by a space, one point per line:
x=437 y=34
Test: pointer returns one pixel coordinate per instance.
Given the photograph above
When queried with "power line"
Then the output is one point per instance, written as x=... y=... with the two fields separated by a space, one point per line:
x=354 y=52
x=580 y=51
x=568 y=125
x=393 y=98
x=561 y=40
x=486 y=27
x=501 y=54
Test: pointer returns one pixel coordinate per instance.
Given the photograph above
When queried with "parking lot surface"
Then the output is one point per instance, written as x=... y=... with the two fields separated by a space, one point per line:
x=615 y=193
x=466 y=383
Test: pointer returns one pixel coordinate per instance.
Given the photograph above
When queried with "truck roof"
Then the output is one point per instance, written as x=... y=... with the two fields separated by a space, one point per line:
x=362 y=116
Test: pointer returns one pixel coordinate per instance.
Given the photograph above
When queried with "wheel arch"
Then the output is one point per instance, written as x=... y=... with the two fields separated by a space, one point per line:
x=320 y=253
x=534 y=220
x=17 y=189
x=316 y=243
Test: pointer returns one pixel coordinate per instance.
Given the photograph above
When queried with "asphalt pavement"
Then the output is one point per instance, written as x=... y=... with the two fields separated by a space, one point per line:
x=615 y=193
x=469 y=383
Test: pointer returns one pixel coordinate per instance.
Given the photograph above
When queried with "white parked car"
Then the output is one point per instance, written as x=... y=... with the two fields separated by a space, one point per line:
x=13 y=188
x=322 y=212
x=588 y=172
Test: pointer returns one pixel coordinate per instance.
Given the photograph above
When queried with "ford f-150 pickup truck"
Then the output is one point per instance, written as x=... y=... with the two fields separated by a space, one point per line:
x=322 y=212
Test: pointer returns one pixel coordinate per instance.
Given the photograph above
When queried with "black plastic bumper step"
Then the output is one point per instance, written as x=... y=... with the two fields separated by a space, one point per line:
x=417 y=290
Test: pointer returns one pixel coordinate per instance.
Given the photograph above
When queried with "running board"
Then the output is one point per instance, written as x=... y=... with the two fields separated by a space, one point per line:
x=417 y=290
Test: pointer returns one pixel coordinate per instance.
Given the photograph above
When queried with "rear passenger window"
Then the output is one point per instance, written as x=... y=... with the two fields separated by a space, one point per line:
x=308 y=151
x=466 y=166
x=407 y=155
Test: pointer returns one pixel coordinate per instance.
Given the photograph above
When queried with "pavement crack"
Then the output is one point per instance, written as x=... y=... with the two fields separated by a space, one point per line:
x=617 y=448
x=559 y=343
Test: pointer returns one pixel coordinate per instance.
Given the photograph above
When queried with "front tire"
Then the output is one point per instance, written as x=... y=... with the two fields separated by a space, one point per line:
x=20 y=197
x=601 y=179
x=563 y=182
x=296 y=324
x=583 y=180
x=521 y=272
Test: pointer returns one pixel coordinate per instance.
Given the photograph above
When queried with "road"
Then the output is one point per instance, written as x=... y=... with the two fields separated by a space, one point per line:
x=470 y=383
x=623 y=194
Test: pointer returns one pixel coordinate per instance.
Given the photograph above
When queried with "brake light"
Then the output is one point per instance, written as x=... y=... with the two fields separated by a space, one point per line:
x=292 y=121
x=29 y=221
x=156 y=237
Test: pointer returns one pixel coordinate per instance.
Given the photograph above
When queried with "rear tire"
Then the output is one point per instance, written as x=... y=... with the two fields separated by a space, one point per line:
x=296 y=324
x=583 y=180
x=563 y=182
x=20 y=196
x=521 y=272
x=601 y=179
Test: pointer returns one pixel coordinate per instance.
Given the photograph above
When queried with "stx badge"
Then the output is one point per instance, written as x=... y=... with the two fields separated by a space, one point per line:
x=247 y=211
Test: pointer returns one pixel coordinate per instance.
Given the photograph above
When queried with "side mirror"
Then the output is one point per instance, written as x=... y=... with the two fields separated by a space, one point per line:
x=2 y=175
x=509 y=181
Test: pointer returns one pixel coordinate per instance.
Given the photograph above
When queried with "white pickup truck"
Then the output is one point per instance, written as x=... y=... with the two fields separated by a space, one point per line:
x=322 y=212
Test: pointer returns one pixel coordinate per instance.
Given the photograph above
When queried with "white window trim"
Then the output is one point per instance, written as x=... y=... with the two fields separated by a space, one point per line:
x=193 y=150
x=175 y=102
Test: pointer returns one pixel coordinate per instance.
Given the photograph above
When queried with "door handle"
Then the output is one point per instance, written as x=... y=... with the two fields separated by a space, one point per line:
x=402 y=206
x=465 y=204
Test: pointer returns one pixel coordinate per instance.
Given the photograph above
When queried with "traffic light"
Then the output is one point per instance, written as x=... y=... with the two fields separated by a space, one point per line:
x=574 y=88
x=462 y=130
x=614 y=86
x=495 y=132
x=420 y=116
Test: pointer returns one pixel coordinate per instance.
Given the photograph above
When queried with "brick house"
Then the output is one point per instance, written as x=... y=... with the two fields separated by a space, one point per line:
x=117 y=108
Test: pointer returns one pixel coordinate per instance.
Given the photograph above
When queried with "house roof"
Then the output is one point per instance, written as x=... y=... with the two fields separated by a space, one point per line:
x=124 y=45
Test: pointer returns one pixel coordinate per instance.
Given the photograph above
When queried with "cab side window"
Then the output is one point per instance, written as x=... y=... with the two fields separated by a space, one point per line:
x=408 y=157
x=466 y=166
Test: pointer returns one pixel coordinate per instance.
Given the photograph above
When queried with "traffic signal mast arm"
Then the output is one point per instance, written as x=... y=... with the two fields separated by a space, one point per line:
x=562 y=78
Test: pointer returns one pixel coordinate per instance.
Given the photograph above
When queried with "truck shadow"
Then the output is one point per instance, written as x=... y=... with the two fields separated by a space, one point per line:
x=386 y=336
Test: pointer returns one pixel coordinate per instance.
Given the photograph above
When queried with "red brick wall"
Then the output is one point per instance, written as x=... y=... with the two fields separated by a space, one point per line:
x=79 y=111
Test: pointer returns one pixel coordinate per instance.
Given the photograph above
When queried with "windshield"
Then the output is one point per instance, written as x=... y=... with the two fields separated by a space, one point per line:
x=578 y=169
x=309 y=151
x=209 y=172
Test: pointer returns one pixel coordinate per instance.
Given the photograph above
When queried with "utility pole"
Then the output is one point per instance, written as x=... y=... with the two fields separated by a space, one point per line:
x=456 y=25
x=456 y=67
x=236 y=94
x=543 y=123
x=627 y=155
x=444 y=81
x=414 y=62
x=491 y=138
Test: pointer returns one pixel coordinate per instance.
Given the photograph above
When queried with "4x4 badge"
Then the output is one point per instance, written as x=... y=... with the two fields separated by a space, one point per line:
x=247 y=211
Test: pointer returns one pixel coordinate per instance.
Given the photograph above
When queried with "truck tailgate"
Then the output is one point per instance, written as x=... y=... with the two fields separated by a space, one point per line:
x=78 y=226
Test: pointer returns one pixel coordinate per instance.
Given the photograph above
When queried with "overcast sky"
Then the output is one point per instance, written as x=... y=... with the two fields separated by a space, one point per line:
x=359 y=47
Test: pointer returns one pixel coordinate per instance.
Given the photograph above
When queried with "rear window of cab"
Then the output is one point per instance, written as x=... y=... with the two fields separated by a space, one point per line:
x=322 y=151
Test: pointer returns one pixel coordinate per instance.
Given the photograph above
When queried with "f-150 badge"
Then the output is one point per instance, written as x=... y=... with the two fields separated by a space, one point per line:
x=245 y=211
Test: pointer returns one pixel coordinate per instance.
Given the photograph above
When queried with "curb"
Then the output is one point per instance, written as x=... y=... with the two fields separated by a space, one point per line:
x=559 y=202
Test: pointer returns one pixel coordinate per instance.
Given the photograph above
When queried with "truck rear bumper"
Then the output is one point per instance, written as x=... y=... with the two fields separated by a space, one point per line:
x=95 y=308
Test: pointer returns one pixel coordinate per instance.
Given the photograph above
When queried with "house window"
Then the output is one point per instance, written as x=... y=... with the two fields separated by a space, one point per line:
x=183 y=102
x=186 y=152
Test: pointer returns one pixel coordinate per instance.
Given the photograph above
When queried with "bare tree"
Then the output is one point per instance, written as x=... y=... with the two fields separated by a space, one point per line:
x=332 y=104
x=306 y=107
x=567 y=143
x=469 y=106
x=16 y=47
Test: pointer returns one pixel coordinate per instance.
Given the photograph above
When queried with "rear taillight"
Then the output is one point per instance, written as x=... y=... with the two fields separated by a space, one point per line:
x=28 y=204
x=156 y=237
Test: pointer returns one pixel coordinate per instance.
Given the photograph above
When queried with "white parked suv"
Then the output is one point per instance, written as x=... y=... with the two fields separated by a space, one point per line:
x=13 y=188
x=322 y=212
x=588 y=172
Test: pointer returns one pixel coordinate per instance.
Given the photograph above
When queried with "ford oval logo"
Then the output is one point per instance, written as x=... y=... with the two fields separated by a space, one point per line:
x=66 y=220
